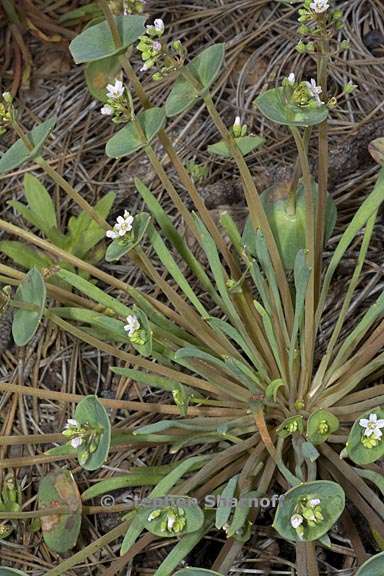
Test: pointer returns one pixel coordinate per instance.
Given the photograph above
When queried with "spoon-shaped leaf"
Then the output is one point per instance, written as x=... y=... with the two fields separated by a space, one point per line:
x=356 y=450
x=321 y=424
x=100 y=73
x=19 y=153
x=31 y=292
x=91 y=412
x=271 y=104
x=128 y=140
x=96 y=42
x=372 y=567
x=58 y=489
x=204 y=68
x=332 y=500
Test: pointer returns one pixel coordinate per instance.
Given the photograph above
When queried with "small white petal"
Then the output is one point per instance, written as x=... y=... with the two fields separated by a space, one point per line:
x=76 y=442
x=106 y=110
x=314 y=502
x=364 y=422
x=291 y=78
x=296 y=520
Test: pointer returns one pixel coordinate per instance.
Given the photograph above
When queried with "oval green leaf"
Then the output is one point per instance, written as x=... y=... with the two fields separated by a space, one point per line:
x=90 y=411
x=246 y=144
x=289 y=229
x=58 y=489
x=186 y=508
x=100 y=73
x=127 y=140
x=31 y=291
x=321 y=424
x=272 y=105
x=332 y=500
x=19 y=153
x=372 y=567
x=205 y=68
x=356 y=450
x=96 y=42
x=119 y=247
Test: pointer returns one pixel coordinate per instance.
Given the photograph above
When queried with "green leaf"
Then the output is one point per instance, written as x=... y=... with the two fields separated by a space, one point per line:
x=272 y=105
x=119 y=247
x=372 y=567
x=59 y=489
x=91 y=411
x=92 y=291
x=196 y=572
x=128 y=140
x=179 y=552
x=19 y=153
x=192 y=514
x=40 y=202
x=139 y=478
x=273 y=388
x=289 y=229
x=318 y=421
x=205 y=68
x=332 y=502
x=374 y=477
x=357 y=452
x=309 y=451
x=246 y=144
x=23 y=255
x=31 y=291
x=100 y=73
x=224 y=509
x=96 y=42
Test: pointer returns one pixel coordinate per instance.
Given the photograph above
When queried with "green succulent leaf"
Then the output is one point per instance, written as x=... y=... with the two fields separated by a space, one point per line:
x=31 y=292
x=290 y=426
x=289 y=229
x=356 y=450
x=205 y=68
x=58 y=489
x=19 y=153
x=128 y=140
x=120 y=247
x=155 y=515
x=23 y=255
x=332 y=501
x=321 y=424
x=246 y=144
x=372 y=567
x=40 y=202
x=272 y=105
x=91 y=412
x=96 y=42
x=100 y=73
x=273 y=388
x=224 y=510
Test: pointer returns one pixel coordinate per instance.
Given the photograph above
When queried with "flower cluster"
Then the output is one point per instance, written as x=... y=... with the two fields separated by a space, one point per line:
x=123 y=226
x=239 y=129
x=134 y=330
x=83 y=438
x=307 y=513
x=172 y=519
x=155 y=52
x=372 y=434
x=5 y=112
x=302 y=93
x=127 y=6
x=117 y=105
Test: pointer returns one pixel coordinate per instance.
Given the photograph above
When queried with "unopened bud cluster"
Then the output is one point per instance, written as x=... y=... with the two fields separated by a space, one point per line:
x=5 y=111
x=84 y=437
x=127 y=6
x=118 y=102
x=307 y=513
x=157 y=54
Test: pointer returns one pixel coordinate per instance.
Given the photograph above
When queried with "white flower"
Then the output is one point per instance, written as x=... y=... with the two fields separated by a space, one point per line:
x=372 y=426
x=115 y=90
x=315 y=91
x=170 y=522
x=132 y=325
x=123 y=225
x=157 y=27
x=291 y=79
x=71 y=423
x=76 y=442
x=296 y=520
x=106 y=110
x=156 y=45
x=237 y=122
x=314 y=502
x=319 y=6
